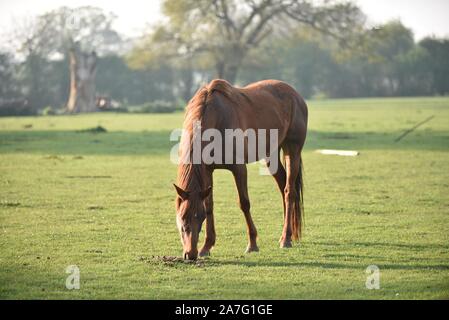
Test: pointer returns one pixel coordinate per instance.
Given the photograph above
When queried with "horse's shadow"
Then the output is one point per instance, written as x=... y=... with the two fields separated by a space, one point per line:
x=328 y=265
x=352 y=261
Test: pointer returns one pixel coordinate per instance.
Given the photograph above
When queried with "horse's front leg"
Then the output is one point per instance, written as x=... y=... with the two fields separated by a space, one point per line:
x=209 y=240
x=240 y=176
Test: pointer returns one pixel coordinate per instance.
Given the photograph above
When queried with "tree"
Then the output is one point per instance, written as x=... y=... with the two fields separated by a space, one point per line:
x=226 y=31
x=29 y=51
x=79 y=33
x=161 y=50
x=8 y=83
x=438 y=63
x=83 y=69
x=370 y=68
x=390 y=40
x=89 y=27
x=414 y=72
x=299 y=58
x=68 y=34
x=386 y=44
x=134 y=86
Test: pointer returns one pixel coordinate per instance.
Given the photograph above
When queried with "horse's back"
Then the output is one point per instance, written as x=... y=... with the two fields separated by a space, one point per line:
x=292 y=100
x=278 y=89
x=266 y=104
x=279 y=97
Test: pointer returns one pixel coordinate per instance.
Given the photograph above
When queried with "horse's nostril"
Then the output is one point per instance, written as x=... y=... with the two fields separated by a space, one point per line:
x=190 y=256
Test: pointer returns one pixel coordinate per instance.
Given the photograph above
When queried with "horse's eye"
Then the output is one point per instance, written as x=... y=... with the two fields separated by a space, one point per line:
x=200 y=216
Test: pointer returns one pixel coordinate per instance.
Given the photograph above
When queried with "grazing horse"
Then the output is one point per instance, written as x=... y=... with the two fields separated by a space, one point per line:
x=268 y=104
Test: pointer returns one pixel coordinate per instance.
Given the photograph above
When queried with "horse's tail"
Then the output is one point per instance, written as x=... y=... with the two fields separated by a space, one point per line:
x=297 y=220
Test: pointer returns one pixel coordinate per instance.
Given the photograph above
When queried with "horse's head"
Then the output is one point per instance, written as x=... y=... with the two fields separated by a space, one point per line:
x=190 y=215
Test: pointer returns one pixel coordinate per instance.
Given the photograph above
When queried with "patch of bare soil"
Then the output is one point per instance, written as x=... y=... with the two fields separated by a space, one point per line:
x=172 y=261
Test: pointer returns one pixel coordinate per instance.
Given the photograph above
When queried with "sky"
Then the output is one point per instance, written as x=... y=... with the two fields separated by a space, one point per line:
x=424 y=17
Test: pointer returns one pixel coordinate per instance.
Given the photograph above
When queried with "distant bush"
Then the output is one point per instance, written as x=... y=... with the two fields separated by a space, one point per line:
x=97 y=129
x=117 y=109
x=16 y=107
x=48 y=111
x=157 y=106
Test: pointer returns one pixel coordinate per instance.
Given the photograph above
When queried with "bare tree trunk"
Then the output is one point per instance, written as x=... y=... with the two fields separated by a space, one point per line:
x=187 y=80
x=227 y=71
x=228 y=66
x=231 y=73
x=82 y=81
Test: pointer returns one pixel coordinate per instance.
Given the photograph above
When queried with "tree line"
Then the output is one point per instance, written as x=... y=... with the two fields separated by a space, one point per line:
x=325 y=50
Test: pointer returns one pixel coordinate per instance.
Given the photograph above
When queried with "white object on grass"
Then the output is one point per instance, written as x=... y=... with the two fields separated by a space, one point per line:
x=346 y=153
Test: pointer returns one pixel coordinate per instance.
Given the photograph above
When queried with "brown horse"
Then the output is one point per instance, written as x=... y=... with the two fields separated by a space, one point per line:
x=267 y=104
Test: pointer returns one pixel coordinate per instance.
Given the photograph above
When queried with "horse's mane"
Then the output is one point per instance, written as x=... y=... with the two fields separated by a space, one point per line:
x=194 y=112
x=200 y=100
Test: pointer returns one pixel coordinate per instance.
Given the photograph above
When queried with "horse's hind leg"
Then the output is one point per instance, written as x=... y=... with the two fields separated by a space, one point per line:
x=280 y=178
x=291 y=195
x=241 y=180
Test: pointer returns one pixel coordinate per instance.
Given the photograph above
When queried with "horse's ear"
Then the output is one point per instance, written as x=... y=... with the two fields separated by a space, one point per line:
x=184 y=195
x=205 y=193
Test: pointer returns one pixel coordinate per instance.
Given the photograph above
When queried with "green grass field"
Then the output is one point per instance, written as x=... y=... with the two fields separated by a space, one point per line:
x=105 y=202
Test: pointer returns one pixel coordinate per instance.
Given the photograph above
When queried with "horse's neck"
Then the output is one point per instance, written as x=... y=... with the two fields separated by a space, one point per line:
x=194 y=175
x=197 y=178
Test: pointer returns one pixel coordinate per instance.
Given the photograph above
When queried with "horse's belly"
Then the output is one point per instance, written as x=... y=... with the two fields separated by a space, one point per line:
x=253 y=140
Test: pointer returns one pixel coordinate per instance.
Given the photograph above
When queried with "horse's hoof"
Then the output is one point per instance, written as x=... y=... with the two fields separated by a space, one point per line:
x=204 y=253
x=285 y=244
x=252 y=249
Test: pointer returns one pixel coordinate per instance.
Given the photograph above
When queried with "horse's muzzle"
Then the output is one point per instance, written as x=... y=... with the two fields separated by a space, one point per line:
x=193 y=255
